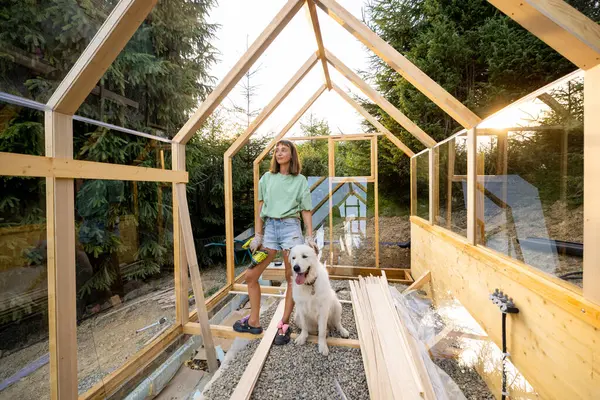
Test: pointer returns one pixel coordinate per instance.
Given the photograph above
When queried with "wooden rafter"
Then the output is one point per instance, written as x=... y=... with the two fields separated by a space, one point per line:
x=239 y=69
x=273 y=104
x=373 y=121
x=104 y=48
x=312 y=9
x=401 y=64
x=381 y=101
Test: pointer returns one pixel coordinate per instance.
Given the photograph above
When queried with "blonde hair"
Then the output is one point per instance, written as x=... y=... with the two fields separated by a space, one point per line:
x=295 y=165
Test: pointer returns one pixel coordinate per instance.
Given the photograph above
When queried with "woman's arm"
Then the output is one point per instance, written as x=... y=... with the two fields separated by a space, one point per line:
x=307 y=217
x=258 y=224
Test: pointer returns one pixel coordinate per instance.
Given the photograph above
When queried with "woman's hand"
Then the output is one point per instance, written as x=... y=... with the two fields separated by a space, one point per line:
x=256 y=242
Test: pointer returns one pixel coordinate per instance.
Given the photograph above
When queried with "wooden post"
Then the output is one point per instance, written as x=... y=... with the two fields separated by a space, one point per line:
x=256 y=179
x=413 y=186
x=190 y=250
x=62 y=287
x=229 y=237
x=480 y=195
x=471 y=185
x=451 y=162
x=434 y=185
x=331 y=161
x=375 y=172
x=180 y=260
x=591 y=193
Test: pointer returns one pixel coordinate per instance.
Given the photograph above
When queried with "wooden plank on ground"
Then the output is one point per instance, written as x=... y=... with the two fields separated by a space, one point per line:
x=244 y=388
x=190 y=250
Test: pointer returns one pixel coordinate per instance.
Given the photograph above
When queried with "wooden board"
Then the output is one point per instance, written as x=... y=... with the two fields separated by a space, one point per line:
x=215 y=98
x=471 y=186
x=591 y=193
x=422 y=280
x=381 y=101
x=62 y=287
x=190 y=250
x=403 y=66
x=104 y=48
x=27 y=165
x=375 y=174
x=413 y=186
x=244 y=388
x=227 y=332
x=561 y=26
x=314 y=19
x=373 y=121
x=554 y=323
x=182 y=309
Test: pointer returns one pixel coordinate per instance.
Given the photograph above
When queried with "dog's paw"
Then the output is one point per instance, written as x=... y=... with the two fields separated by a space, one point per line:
x=300 y=340
x=344 y=333
x=323 y=348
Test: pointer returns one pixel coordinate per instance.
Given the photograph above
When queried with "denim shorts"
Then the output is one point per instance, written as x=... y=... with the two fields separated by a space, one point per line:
x=282 y=234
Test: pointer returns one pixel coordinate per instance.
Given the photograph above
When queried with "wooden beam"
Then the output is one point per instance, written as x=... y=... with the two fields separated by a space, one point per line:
x=28 y=165
x=331 y=172
x=591 y=192
x=190 y=250
x=416 y=285
x=280 y=296
x=256 y=180
x=273 y=104
x=413 y=186
x=244 y=388
x=403 y=66
x=345 y=137
x=227 y=332
x=352 y=179
x=60 y=237
x=559 y=25
x=312 y=9
x=229 y=228
x=375 y=173
x=179 y=259
x=471 y=186
x=373 y=121
x=450 y=173
x=104 y=48
x=291 y=123
x=265 y=289
x=239 y=69
x=381 y=101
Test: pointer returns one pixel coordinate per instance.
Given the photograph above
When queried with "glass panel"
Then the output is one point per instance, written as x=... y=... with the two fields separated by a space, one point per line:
x=354 y=223
x=95 y=143
x=162 y=73
x=24 y=368
x=394 y=206
x=41 y=40
x=125 y=281
x=21 y=130
x=452 y=166
x=352 y=158
x=530 y=176
x=423 y=185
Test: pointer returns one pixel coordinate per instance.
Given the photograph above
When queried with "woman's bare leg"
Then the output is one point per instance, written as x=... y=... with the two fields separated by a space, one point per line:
x=289 y=301
x=252 y=275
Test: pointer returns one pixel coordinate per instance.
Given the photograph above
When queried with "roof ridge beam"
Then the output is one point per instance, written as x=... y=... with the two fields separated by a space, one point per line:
x=381 y=101
x=215 y=98
x=401 y=64
x=373 y=121
x=312 y=10
x=273 y=104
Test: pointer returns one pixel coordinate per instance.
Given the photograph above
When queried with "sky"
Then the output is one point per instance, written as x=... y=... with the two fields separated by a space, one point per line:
x=243 y=21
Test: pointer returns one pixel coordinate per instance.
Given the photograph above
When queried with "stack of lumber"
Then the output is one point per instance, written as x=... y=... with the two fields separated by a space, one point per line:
x=393 y=364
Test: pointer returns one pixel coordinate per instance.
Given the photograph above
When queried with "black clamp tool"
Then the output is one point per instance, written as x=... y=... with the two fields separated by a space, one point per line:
x=507 y=306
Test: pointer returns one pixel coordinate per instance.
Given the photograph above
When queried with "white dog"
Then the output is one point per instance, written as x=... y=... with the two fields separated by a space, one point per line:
x=317 y=306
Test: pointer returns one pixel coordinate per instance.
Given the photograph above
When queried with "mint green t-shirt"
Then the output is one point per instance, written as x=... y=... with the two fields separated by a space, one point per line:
x=283 y=196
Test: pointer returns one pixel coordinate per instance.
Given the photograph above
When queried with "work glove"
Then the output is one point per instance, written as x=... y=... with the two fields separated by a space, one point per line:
x=256 y=242
x=310 y=241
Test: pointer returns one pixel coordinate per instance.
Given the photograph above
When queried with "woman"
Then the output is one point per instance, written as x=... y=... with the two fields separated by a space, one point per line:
x=283 y=196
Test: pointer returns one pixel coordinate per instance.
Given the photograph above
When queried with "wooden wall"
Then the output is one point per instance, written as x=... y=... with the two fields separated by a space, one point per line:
x=554 y=341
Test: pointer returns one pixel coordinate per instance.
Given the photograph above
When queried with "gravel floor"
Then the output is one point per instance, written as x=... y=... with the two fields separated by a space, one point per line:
x=301 y=372
x=467 y=379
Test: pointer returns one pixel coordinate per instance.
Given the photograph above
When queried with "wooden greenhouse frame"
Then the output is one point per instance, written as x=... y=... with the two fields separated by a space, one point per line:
x=538 y=336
